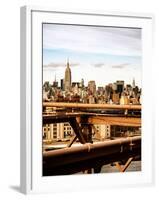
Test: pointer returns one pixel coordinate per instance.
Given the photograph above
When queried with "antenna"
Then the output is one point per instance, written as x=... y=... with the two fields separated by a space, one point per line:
x=68 y=62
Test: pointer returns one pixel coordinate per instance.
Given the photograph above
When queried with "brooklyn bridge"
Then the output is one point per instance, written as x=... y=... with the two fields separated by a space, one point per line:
x=89 y=156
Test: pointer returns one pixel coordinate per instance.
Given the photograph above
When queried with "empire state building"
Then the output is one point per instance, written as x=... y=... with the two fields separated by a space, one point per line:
x=67 y=79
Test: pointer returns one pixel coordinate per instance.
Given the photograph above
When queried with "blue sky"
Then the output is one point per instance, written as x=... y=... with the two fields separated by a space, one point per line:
x=103 y=54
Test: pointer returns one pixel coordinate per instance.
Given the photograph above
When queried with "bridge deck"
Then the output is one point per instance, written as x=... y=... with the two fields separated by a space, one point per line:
x=84 y=116
x=93 y=119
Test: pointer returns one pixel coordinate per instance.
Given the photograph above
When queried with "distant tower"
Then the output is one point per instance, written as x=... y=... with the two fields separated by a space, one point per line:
x=55 y=83
x=67 y=79
x=62 y=84
x=133 y=83
x=82 y=83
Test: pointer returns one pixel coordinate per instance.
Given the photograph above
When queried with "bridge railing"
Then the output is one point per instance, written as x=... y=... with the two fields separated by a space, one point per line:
x=89 y=106
x=92 y=156
x=74 y=159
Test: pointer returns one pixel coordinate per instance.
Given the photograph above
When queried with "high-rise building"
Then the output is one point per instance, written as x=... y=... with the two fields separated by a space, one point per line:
x=115 y=98
x=133 y=83
x=67 y=79
x=59 y=131
x=124 y=100
x=75 y=83
x=120 y=86
x=62 y=84
x=114 y=86
x=100 y=90
x=55 y=83
x=75 y=89
x=82 y=83
x=92 y=86
x=103 y=131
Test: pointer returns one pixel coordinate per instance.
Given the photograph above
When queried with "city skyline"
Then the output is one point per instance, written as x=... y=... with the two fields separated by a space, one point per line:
x=103 y=54
x=54 y=79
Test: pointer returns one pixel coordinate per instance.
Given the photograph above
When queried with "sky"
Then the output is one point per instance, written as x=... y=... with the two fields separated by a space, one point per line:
x=103 y=54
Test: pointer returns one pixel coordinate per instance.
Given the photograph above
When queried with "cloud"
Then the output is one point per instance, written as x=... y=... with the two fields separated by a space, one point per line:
x=120 y=66
x=89 y=39
x=58 y=65
x=98 y=65
x=54 y=65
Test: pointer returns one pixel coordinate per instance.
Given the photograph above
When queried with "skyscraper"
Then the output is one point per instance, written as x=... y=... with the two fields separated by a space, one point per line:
x=67 y=79
x=55 y=83
x=133 y=83
x=62 y=84
x=120 y=87
x=92 y=86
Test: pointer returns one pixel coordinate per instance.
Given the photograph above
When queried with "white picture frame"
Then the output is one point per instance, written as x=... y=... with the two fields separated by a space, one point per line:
x=31 y=104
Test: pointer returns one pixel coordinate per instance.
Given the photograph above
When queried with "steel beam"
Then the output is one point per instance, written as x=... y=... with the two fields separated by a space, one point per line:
x=98 y=106
x=121 y=121
x=77 y=129
x=94 y=163
x=90 y=155
x=72 y=140
x=50 y=119
x=126 y=165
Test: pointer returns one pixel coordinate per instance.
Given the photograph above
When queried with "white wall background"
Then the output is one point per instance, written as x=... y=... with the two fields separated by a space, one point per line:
x=10 y=96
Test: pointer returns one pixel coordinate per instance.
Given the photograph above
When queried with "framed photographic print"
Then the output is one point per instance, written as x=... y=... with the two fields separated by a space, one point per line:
x=86 y=117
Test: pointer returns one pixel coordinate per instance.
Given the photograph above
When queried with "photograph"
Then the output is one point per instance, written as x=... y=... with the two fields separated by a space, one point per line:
x=91 y=99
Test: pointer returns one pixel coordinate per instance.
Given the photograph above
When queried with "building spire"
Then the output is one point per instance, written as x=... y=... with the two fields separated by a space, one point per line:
x=67 y=79
x=68 y=62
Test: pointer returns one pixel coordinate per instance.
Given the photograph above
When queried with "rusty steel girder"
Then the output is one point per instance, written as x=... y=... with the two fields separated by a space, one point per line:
x=83 y=105
x=74 y=159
